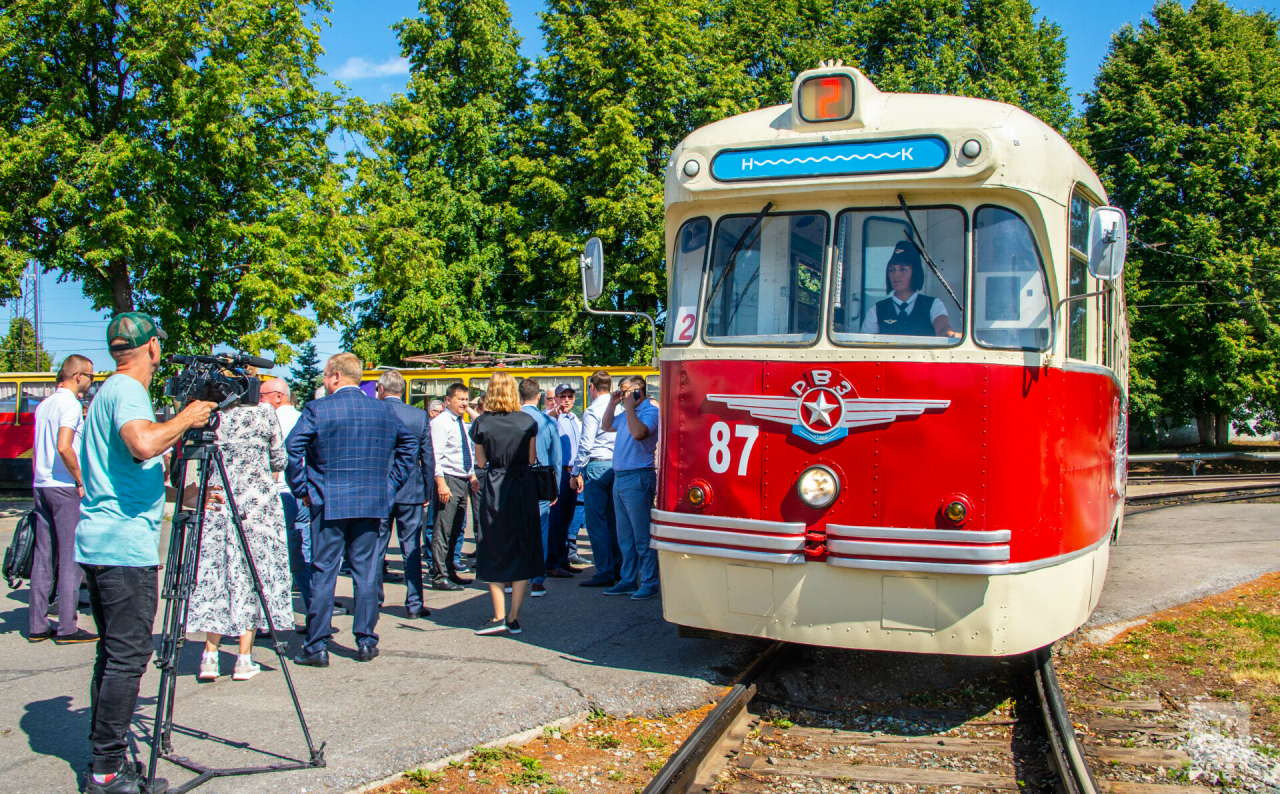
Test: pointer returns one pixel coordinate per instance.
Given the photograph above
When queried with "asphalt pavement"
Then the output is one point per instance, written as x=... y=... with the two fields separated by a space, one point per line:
x=437 y=689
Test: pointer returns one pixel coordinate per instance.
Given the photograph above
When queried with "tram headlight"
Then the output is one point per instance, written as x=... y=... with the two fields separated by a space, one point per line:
x=818 y=486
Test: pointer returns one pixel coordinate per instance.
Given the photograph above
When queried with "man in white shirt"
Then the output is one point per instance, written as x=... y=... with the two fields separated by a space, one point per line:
x=59 y=487
x=455 y=482
x=275 y=392
x=593 y=475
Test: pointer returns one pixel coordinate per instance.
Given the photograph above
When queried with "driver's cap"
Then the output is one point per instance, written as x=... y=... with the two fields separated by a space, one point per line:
x=136 y=328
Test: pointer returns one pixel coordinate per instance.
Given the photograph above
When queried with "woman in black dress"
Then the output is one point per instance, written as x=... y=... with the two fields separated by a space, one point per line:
x=509 y=543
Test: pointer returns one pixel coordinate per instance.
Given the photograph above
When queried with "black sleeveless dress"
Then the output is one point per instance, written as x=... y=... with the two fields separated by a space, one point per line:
x=509 y=537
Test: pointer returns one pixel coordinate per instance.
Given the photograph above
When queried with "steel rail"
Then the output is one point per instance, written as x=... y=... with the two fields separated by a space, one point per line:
x=1067 y=754
x=677 y=774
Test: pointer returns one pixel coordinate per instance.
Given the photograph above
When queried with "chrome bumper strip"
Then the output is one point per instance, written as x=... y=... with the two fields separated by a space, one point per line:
x=761 y=542
x=919 y=550
x=846 y=532
x=720 y=522
x=732 y=554
x=990 y=569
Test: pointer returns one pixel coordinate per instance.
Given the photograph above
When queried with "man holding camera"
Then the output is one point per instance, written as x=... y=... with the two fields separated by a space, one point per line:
x=634 y=486
x=118 y=539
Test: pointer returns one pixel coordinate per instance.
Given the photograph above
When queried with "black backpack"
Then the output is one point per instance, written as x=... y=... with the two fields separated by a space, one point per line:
x=17 y=558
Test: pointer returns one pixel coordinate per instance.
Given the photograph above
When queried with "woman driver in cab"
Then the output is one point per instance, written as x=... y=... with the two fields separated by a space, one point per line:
x=907 y=311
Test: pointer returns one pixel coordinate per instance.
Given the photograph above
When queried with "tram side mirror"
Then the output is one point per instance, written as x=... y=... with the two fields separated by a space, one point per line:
x=1108 y=238
x=592 y=265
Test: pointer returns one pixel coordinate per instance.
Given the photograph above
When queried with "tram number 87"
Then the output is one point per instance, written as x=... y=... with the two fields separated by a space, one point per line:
x=719 y=456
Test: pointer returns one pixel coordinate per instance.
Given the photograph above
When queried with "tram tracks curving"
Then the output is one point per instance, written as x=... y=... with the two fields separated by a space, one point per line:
x=743 y=746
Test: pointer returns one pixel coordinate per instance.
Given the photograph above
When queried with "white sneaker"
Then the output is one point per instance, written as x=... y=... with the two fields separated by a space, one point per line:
x=245 y=670
x=208 y=669
x=537 y=590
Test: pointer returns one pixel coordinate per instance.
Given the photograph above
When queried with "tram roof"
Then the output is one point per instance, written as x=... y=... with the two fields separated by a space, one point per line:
x=1017 y=147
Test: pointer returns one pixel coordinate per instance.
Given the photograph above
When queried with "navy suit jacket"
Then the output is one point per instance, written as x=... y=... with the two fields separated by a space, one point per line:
x=349 y=454
x=416 y=421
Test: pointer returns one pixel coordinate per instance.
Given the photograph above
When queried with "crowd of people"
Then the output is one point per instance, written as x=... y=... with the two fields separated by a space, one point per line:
x=320 y=491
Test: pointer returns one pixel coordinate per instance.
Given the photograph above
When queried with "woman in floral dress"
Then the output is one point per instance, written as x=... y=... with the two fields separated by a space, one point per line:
x=223 y=601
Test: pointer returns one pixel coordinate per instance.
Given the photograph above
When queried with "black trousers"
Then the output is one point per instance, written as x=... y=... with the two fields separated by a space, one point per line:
x=408 y=520
x=561 y=518
x=450 y=522
x=123 y=601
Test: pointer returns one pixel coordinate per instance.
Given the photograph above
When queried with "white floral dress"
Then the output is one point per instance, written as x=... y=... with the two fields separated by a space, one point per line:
x=223 y=600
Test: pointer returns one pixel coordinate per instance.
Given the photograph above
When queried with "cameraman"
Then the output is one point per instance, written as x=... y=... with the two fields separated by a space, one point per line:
x=118 y=539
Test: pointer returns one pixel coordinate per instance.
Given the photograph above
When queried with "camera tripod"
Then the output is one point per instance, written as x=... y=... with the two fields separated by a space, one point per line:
x=200 y=446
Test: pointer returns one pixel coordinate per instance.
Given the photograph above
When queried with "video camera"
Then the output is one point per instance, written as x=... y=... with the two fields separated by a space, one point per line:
x=223 y=379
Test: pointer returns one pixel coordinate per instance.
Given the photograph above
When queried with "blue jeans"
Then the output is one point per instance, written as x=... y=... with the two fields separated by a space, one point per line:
x=297 y=532
x=602 y=528
x=633 y=493
x=544 y=517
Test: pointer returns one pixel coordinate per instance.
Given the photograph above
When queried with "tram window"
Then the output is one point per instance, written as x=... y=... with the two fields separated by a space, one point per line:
x=653 y=386
x=423 y=390
x=1078 y=329
x=8 y=403
x=772 y=294
x=686 y=281
x=866 y=307
x=31 y=396
x=1081 y=211
x=1011 y=294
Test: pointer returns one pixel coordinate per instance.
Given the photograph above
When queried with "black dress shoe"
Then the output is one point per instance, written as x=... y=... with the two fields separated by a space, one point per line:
x=559 y=573
x=366 y=653
x=129 y=780
x=460 y=580
x=389 y=576
x=318 y=659
x=597 y=582
x=414 y=614
x=445 y=586
x=44 y=635
x=80 y=636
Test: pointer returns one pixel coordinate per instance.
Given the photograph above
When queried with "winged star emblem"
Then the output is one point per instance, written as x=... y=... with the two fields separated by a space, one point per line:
x=823 y=406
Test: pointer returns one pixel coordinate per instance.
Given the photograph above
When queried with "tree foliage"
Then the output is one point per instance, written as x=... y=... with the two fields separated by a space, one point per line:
x=172 y=157
x=1184 y=123
x=307 y=374
x=21 y=351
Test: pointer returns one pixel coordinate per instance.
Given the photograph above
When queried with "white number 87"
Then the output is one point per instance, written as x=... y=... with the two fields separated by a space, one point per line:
x=719 y=456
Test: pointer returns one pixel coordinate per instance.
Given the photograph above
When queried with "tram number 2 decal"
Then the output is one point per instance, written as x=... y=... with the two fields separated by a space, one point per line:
x=720 y=456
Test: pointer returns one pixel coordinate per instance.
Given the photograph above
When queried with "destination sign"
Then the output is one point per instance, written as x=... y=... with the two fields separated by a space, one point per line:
x=831 y=159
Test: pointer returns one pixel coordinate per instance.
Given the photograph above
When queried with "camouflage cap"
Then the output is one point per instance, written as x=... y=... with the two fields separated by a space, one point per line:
x=134 y=327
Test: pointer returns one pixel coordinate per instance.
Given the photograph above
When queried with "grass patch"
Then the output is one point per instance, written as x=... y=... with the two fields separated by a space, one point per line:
x=528 y=777
x=423 y=777
x=651 y=742
x=605 y=741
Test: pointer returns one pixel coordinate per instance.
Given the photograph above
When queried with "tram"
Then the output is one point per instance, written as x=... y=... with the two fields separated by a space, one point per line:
x=894 y=375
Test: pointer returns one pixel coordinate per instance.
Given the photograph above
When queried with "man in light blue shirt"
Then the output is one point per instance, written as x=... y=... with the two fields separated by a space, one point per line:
x=635 y=483
x=547 y=445
x=118 y=537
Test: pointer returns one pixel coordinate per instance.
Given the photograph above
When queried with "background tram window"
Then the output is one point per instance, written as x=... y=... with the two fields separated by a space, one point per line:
x=1078 y=313
x=653 y=386
x=8 y=403
x=1005 y=256
x=772 y=294
x=684 y=307
x=31 y=396
x=864 y=243
x=423 y=390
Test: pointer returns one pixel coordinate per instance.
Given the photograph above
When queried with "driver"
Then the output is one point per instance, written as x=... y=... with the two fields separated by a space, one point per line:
x=907 y=311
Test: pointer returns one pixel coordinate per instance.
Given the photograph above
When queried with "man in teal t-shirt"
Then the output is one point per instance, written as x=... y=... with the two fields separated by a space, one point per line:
x=118 y=538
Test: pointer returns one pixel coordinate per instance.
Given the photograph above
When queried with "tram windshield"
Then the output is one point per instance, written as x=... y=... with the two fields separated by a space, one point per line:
x=884 y=292
x=771 y=292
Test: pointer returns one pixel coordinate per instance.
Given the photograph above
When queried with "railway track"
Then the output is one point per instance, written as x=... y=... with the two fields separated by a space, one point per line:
x=1029 y=746
x=1158 y=492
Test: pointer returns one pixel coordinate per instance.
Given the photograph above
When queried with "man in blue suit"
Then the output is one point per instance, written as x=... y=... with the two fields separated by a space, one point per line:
x=406 y=510
x=348 y=455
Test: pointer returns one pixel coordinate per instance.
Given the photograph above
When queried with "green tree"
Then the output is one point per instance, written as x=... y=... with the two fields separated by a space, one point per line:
x=21 y=351
x=172 y=156
x=307 y=374
x=1184 y=123
x=431 y=192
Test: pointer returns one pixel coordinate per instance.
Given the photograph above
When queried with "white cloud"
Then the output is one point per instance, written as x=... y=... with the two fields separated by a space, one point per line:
x=360 y=69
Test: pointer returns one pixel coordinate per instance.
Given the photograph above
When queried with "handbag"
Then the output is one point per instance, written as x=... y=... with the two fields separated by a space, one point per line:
x=21 y=551
x=547 y=483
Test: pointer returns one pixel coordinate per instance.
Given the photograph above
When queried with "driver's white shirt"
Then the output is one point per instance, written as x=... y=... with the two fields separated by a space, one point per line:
x=871 y=323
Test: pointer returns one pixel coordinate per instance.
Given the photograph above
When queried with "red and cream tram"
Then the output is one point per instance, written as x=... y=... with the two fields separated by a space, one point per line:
x=894 y=378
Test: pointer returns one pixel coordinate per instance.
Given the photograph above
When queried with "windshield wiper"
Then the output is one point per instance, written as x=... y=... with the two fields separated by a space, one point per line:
x=733 y=256
x=919 y=241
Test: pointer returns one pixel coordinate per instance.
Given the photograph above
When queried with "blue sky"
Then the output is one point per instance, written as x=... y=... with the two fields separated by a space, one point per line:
x=361 y=51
